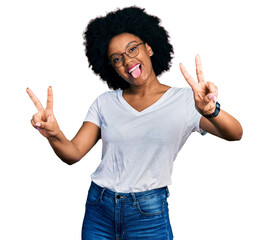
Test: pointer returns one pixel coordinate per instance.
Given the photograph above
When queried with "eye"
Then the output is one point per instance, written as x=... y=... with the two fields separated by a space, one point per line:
x=132 y=49
x=115 y=59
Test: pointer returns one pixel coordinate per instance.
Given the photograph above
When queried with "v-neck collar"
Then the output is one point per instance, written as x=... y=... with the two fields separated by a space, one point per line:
x=148 y=109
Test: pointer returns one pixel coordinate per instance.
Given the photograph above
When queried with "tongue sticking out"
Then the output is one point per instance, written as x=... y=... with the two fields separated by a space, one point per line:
x=136 y=73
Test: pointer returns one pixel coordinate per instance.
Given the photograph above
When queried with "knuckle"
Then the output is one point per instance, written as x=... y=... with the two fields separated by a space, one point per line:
x=200 y=71
x=210 y=83
x=36 y=117
x=33 y=123
x=212 y=86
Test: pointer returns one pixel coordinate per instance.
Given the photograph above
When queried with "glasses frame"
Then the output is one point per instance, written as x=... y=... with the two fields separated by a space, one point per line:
x=121 y=55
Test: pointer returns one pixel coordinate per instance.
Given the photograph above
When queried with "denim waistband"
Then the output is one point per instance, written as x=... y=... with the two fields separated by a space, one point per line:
x=129 y=197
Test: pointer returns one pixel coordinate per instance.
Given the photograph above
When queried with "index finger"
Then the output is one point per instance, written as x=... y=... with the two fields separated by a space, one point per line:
x=187 y=76
x=35 y=100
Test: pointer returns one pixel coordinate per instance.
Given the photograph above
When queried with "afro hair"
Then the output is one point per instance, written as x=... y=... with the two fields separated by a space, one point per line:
x=100 y=30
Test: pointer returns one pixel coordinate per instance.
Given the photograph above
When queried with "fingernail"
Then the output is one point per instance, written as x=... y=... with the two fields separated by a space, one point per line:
x=215 y=99
x=198 y=59
x=38 y=124
x=211 y=95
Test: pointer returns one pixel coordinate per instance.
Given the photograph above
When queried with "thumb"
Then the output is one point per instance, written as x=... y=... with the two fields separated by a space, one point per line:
x=41 y=125
x=211 y=97
x=51 y=118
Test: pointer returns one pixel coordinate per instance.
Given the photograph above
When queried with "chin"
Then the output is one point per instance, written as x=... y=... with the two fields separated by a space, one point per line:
x=138 y=82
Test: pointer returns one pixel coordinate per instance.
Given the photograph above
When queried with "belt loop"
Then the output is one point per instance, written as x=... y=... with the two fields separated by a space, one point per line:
x=102 y=193
x=134 y=199
x=167 y=192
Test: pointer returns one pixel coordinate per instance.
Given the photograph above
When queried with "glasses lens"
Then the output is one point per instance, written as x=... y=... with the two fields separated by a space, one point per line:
x=132 y=50
x=116 y=60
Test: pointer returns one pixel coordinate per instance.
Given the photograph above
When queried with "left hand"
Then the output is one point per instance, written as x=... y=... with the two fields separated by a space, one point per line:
x=205 y=93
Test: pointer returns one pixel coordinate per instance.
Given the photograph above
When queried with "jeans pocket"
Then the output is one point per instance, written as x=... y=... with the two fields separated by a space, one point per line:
x=93 y=197
x=152 y=206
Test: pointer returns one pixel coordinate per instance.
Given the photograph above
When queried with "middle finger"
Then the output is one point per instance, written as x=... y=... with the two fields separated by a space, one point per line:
x=199 y=70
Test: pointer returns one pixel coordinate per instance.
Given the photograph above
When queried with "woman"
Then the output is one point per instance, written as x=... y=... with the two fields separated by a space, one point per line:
x=142 y=123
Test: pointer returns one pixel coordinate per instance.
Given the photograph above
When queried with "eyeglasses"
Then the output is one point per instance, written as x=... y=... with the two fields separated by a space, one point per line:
x=116 y=60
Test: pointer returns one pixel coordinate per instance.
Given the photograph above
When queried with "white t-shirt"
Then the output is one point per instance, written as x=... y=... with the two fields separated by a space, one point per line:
x=139 y=148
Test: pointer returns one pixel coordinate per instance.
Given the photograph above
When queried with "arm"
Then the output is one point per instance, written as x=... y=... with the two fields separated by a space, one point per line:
x=72 y=151
x=69 y=151
x=205 y=95
x=224 y=126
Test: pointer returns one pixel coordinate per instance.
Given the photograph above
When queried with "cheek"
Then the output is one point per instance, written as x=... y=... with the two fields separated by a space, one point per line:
x=147 y=66
x=122 y=74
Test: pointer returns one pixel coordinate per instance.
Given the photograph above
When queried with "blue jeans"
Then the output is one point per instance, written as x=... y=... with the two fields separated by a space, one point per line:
x=130 y=216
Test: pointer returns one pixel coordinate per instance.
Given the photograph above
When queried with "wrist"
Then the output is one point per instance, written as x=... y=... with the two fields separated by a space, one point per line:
x=215 y=113
x=55 y=137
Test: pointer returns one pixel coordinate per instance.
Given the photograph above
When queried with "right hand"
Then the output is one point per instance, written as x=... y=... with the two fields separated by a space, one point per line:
x=44 y=120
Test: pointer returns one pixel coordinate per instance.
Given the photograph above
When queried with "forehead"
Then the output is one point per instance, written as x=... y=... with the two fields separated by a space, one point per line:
x=118 y=43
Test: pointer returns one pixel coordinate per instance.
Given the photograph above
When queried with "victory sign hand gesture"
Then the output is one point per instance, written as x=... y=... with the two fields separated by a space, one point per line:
x=44 y=120
x=205 y=93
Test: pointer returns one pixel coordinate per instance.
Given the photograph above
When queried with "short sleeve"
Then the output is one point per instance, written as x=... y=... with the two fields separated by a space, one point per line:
x=193 y=116
x=93 y=114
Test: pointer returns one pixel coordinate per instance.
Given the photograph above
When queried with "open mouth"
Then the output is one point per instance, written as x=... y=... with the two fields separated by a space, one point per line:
x=135 y=71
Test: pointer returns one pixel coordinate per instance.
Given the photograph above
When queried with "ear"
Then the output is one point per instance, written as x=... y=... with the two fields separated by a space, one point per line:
x=149 y=50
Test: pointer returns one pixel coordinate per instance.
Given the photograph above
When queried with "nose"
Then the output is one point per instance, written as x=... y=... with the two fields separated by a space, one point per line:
x=126 y=59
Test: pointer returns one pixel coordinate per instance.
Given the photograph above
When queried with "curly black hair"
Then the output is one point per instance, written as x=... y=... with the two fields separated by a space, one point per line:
x=132 y=20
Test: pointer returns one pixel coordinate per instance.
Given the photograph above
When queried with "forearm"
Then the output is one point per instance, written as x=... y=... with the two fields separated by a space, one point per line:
x=227 y=126
x=64 y=149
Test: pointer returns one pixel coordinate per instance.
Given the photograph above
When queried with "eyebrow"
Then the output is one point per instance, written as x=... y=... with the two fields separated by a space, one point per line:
x=130 y=43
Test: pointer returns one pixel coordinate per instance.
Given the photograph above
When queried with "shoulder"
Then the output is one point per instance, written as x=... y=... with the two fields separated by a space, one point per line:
x=181 y=92
x=108 y=95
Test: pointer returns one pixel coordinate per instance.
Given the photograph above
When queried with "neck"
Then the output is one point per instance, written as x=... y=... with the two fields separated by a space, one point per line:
x=144 y=89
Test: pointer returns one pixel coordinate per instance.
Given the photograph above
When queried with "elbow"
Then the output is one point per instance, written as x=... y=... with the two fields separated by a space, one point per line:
x=237 y=136
x=71 y=158
x=70 y=161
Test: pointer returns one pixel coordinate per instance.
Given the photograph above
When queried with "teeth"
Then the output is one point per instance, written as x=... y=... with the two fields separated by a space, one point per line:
x=134 y=68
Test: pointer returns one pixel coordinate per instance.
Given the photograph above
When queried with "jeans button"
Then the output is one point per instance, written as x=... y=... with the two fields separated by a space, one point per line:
x=118 y=196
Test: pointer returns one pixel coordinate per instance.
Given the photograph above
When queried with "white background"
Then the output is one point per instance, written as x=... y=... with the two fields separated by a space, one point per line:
x=220 y=189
